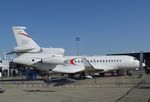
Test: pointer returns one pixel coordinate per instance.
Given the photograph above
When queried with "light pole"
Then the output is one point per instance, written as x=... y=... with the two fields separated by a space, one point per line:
x=141 y=64
x=77 y=40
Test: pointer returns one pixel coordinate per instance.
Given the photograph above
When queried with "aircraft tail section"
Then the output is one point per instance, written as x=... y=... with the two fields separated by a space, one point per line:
x=23 y=39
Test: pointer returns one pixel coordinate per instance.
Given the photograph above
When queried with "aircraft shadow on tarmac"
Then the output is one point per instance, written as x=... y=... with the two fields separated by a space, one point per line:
x=144 y=87
x=1 y=90
x=60 y=81
x=37 y=90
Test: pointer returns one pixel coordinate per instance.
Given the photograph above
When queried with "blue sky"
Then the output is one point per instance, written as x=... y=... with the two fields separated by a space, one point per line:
x=104 y=26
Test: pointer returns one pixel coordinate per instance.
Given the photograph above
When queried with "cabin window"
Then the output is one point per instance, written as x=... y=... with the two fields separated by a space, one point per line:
x=91 y=61
x=78 y=61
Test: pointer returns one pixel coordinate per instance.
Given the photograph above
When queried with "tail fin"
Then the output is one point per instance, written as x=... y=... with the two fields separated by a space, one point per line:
x=24 y=41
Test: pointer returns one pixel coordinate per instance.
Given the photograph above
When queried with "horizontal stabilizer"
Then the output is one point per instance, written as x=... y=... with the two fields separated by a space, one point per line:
x=20 y=50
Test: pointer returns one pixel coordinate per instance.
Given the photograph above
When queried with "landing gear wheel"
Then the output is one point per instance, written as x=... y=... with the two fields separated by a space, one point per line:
x=82 y=76
x=72 y=76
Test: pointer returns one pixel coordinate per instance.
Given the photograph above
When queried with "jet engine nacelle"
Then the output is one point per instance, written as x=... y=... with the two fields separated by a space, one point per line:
x=55 y=59
x=26 y=60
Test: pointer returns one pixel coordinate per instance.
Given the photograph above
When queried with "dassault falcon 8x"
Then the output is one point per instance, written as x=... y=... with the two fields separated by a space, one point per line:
x=31 y=54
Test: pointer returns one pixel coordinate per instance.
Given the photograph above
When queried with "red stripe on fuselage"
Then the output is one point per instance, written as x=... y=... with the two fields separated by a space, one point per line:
x=25 y=34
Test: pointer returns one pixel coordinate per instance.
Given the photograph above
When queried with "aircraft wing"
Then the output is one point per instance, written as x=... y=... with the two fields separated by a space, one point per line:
x=68 y=68
x=88 y=66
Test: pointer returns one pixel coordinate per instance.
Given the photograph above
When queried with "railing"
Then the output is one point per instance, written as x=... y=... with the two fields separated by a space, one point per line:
x=127 y=93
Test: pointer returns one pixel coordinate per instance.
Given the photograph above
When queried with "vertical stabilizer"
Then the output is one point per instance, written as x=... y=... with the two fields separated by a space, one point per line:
x=24 y=41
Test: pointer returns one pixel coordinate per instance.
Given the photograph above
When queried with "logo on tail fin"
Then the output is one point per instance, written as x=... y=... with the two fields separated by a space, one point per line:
x=23 y=39
x=25 y=34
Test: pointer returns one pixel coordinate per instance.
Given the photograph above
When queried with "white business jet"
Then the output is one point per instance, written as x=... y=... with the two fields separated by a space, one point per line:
x=53 y=59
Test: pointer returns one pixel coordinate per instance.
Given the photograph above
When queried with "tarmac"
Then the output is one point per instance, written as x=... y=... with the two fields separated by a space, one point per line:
x=103 y=89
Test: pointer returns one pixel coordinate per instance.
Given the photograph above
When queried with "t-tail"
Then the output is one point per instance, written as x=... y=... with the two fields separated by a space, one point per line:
x=24 y=40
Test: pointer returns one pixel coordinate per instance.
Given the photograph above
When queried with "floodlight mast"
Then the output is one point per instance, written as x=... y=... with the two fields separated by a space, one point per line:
x=78 y=40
